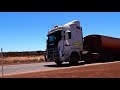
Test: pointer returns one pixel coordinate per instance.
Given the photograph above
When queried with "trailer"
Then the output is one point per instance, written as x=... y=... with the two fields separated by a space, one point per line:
x=106 y=47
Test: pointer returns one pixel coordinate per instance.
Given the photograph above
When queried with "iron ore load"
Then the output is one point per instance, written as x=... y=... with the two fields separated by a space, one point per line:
x=66 y=44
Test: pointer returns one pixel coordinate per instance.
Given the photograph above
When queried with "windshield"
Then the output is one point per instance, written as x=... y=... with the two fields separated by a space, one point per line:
x=51 y=38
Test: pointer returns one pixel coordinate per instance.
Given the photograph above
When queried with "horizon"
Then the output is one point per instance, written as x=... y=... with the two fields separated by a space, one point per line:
x=24 y=51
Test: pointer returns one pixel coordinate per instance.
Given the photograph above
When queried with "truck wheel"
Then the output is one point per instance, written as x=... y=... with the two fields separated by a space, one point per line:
x=104 y=59
x=88 y=58
x=45 y=57
x=59 y=62
x=74 y=59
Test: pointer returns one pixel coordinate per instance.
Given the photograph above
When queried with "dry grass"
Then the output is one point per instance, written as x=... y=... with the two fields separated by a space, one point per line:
x=19 y=60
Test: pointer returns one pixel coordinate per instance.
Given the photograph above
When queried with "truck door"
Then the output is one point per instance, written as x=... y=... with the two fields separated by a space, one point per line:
x=67 y=42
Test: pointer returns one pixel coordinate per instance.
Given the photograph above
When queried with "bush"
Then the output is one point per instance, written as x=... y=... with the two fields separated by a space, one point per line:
x=16 y=61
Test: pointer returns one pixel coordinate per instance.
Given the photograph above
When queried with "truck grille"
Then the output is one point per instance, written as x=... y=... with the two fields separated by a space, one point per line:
x=52 y=53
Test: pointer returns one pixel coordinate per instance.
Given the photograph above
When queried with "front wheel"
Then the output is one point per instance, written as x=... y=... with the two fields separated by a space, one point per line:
x=74 y=58
x=59 y=62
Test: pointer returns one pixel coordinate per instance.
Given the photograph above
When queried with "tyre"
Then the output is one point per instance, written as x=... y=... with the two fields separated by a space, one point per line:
x=88 y=58
x=45 y=57
x=74 y=57
x=59 y=63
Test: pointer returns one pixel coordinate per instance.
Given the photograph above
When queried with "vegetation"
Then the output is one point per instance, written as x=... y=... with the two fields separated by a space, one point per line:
x=23 y=61
x=22 y=57
x=24 y=53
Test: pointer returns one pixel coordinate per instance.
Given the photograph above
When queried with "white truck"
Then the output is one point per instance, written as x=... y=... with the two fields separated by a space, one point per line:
x=66 y=44
x=63 y=43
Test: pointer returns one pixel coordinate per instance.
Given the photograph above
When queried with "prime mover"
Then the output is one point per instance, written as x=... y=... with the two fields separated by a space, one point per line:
x=66 y=44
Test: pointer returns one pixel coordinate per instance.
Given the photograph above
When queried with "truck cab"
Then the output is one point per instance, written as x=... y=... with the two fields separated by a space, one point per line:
x=65 y=43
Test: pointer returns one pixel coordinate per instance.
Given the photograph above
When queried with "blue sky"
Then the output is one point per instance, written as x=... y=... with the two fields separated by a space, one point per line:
x=26 y=31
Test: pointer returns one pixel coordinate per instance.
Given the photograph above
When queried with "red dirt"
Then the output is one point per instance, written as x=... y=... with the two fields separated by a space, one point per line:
x=111 y=70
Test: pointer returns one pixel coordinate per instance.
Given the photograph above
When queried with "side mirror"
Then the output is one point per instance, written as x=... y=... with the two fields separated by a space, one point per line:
x=67 y=34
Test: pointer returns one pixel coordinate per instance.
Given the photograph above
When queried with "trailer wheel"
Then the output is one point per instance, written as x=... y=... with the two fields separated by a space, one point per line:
x=74 y=57
x=59 y=62
x=104 y=58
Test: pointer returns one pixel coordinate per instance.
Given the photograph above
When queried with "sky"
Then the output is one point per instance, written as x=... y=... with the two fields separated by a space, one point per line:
x=27 y=31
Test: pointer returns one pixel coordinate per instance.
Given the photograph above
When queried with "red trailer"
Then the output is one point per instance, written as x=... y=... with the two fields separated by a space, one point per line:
x=105 y=46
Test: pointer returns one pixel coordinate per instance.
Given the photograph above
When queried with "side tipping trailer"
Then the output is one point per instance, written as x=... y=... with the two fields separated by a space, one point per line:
x=106 y=47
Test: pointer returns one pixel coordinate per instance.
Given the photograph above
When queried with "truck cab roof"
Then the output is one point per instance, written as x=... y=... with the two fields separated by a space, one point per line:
x=65 y=26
